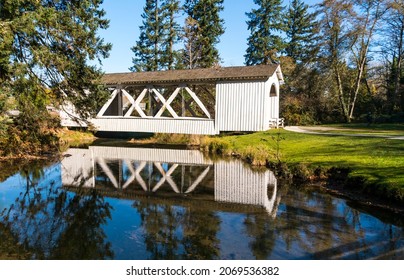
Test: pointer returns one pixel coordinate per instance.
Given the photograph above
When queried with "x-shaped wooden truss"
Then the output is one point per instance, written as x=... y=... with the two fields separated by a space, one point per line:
x=166 y=103
x=136 y=171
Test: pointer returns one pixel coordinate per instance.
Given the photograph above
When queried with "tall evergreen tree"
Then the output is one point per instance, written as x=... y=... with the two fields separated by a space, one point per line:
x=207 y=27
x=265 y=25
x=170 y=57
x=148 y=48
x=301 y=28
x=192 y=50
x=155 y=49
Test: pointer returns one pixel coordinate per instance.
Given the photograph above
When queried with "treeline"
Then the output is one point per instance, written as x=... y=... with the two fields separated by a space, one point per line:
x=342 y=59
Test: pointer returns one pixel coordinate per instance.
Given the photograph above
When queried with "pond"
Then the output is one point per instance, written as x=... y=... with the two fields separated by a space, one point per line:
x=148 y=203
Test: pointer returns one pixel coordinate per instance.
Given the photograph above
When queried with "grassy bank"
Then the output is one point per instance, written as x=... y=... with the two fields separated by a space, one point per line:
x=74 y=138
x=373 y=165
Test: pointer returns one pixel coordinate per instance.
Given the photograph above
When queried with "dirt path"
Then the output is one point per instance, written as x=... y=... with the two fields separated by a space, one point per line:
x=321 y=131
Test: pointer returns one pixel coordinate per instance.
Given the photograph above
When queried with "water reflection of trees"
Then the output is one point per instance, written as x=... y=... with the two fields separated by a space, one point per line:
x=310 y=223
x=200 y=234
x=160 y=225
x=313 y=223
x=262 y=228
x=318 y=226
x=174 y=232
x=263 y=233
x=47 y=222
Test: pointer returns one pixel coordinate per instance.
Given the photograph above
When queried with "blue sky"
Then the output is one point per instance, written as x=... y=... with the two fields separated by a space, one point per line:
x=125 y=19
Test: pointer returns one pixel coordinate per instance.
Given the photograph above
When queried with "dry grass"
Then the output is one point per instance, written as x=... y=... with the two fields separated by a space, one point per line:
x=74 y=138
x=172 y=139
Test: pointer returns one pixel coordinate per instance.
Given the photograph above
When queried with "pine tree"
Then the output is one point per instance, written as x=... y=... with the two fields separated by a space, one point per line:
x=207 y=27
x=170 y=58
x=192 y=50
x=148 y=48
x=301 y=28
x=155 y=49
x=265 y=25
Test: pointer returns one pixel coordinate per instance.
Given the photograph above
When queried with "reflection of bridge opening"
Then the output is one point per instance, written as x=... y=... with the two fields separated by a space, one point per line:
x=187 y=172
x=149 y=176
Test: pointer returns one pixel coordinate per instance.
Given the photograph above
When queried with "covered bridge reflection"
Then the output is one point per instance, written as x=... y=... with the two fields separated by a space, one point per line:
x=140 y=172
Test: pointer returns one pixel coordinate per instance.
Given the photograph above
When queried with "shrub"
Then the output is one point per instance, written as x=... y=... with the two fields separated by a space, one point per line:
x=301 y=173
x=219 y=146
x=258 y=155
x=33 y=132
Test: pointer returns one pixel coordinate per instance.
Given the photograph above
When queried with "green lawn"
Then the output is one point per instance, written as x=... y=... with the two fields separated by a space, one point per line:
x=379 y=161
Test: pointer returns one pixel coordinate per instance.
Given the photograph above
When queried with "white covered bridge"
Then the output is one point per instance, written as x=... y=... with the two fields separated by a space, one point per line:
x=196 y=101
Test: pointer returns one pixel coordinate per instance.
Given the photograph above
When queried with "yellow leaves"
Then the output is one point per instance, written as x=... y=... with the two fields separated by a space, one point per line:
x=288 y=65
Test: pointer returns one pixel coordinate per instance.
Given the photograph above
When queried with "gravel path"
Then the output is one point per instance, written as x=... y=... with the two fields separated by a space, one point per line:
x=300 y=129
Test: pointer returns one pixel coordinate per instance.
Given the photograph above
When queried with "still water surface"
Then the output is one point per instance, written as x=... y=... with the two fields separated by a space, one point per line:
x=140 y=203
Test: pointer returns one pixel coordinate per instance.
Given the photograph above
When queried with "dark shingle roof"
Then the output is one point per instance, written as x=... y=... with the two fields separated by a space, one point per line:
x=258 y=72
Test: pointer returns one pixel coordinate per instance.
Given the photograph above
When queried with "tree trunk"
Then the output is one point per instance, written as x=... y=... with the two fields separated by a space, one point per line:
x=361 y=68
x=344 y=108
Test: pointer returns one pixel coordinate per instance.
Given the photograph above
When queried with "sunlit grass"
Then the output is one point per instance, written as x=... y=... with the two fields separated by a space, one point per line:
x=378 y=161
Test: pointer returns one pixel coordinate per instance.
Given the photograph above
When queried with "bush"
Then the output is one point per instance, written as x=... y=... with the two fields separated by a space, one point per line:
x=282 y=170
x=257 y=155
x=4 y=124
x=32 y=133
x=301 y=173
x=338 y=174
x=219 y=146
x=294 y=111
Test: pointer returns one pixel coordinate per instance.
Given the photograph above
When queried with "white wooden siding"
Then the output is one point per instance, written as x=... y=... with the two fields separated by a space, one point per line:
x=156 y=125
x=240 y=106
